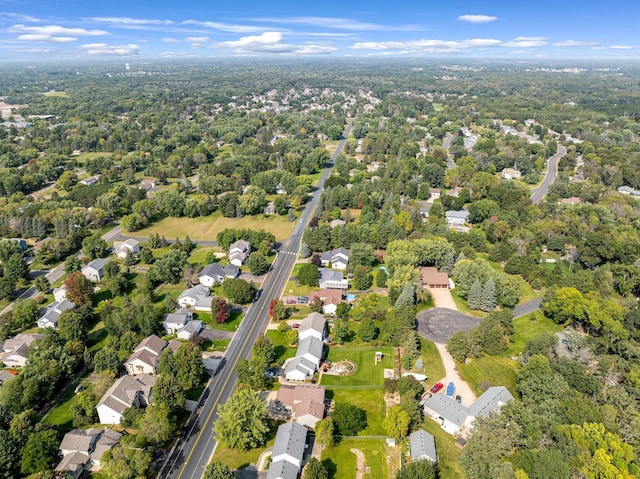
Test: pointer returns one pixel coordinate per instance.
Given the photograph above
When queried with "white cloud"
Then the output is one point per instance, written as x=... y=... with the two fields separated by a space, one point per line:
x=45 y=38
x=428 y=46
x=271 y=43
x=177 y=54
x=170 y=40
x=526 y=42
x=34 y=51
x=575 y=43
x=19 y=17
x=52 y=30
x=104 y=49
x=125 y=21
x=622 y=47
x=197 y=39
x=477 y=18
x=225 y=27
x=338 y=23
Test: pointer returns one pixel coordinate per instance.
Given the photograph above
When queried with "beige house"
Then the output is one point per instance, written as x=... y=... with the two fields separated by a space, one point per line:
x=144 y=359
x=126 y=392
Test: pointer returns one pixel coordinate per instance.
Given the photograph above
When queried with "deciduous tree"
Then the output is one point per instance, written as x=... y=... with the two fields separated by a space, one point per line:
x=243 y=421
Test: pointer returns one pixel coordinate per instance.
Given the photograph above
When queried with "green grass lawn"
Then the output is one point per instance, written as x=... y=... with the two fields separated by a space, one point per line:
x=529 y=327
x=367 y=373
x=62 y=415
x=343 y=462
x=371 y=400
x=461 y=304
x=199 y=255
x=167 y=289
x=238 y=459
x=295 y=289
x=231 y=324
x=433 y=366
x=490 y=371
x=283 y=351
x=448 y=453
x=207 y=227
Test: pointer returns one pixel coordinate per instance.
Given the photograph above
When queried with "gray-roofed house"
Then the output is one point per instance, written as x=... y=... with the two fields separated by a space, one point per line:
x=310 y=348
x=145 y=356
x=423 y=446
x=314 y=325
x=51 y=314
x=190 y=329
x=197 y=298
x=338 y=258
x=15 y=351
x=126 y=392
x=60 y=294
x=173 y=322
x=239 y=252
x=215 y=273
x=82 y=449
x=73 y=465
x=288 y=451
x=627 y=190
x=122 y=249
x=6 y=376
x=94 y=270
x=453 y=416
x=91 y=180
x=299 y=369
x=456 y=217
x=330 y=279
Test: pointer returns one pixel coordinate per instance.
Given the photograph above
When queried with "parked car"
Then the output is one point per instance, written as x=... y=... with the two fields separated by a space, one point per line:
x=295 y=325
x=451 y=389
x=458 y=398
x=291 y=301
x=436 y=387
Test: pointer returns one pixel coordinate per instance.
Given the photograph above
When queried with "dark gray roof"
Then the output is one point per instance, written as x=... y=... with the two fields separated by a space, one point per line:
x=490 y=401
x=97 y=264
x=214 y=270
x=327 y=274
x=423 y=446
x=448 y=408
x=231 y=270
x=463 y=214
x=315 y=322
x=310 y=345
x=290 y=440
x=301 y=364
x=282 y=470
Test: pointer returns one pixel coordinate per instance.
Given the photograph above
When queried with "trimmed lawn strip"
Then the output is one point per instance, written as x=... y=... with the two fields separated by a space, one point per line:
x=367 y=372
x=529 y=327
x=206 y=228
x=375 y=452
x=433 y=367
x=446 y=448
x=231 y=324
x=283 y=350
x=490 y=371
x=371 y=400
x=236 y=459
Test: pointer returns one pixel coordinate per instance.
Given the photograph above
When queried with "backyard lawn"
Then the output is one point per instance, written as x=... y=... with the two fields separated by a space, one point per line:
x=490 y=371
x=283 y=351
x=236 y=459
x=530 y=327
x=447 y=451
x=371 y=400
x=433 y=366
x=206 y=228
x=343 y=462
x=367 y=373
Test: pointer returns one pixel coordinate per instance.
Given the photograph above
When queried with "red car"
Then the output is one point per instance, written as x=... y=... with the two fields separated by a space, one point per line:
x=295 y=326
x=436 y=387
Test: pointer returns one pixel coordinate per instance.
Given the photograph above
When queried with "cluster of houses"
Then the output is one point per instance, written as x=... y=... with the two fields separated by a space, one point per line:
x=311 y=335
x=82 y=450
x=332 y=265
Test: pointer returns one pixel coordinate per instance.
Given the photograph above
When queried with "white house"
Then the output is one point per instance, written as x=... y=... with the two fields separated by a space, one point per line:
x=91 y=180
x=288 y=451
x=239 y=252
x=122 y=249
x=337 y=258
x=330 y=279
x=144 y=359
x=94 y=270
x=190 y=329
x=60 y=294
x=627 y=190
x=459 y=217
x=15 y=351
x=510 y=174
x=175 y=321
x=423 y=446
x=280 y=189
x=314 y=325
x=215 y=273
x=126 y=392
x=82 y=449
x=197 y=298
x=50 y=316
x=308 y=357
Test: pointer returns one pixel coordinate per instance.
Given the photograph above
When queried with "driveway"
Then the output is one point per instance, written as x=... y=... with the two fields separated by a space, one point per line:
x=439 y=324
x=462 y=388
x=442 y=298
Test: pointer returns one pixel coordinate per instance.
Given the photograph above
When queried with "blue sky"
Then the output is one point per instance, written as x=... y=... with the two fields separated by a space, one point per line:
x=82 y=29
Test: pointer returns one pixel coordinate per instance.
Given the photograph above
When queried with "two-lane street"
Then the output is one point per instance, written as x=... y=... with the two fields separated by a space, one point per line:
x=552 y=171
x=195 y=452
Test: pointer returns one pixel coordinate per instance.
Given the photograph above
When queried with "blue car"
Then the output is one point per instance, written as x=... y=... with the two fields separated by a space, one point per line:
x=451 y=389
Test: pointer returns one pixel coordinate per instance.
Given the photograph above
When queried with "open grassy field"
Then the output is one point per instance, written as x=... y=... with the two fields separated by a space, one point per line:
x=490 y=371
x=206 y=228
x=342 y=462
x=529 y=327
x=367 y=373
x=61 y=94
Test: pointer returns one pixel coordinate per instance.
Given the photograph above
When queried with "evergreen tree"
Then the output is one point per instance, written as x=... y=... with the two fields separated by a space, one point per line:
x=474 y=298
x=488 y=298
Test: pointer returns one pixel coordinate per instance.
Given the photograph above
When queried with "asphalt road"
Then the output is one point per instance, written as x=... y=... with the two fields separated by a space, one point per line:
x=446 y=144
x=552 y=171
x=439 y=324
x=195 y=452
x=526 y=308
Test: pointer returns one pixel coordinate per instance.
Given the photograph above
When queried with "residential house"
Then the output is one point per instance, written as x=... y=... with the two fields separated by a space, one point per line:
x=60 y=294
x=190 y=329
x=280 y=189
x=94 y=270
x=374 y=166
x=144 y=359
x=15 y=351
x=454 y=218
x=337 y=222
x=270 y=209
x=239 y=252
x=288 y=451
x=306 y=361
x=91 y=180
x=107 y=441
x=122 y=249
x=147 y=184
x=126 y=392
x=434 y=193
x=73 y=465
x=423 y=446
x=431 y=278
x=337 y=258
x=510 y=174
x=314 y=325
x=22 y=243
x=175 y=321
x=197 y=298
x=627 y=190
x=453 y=416
x=330 y=279
x=215 y=273
x=51 y=314
x=574 y=200
x=305 y=401
x=6 y=376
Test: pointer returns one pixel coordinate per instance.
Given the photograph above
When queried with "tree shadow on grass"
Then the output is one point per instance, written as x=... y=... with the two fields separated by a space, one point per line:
x=331 y=468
